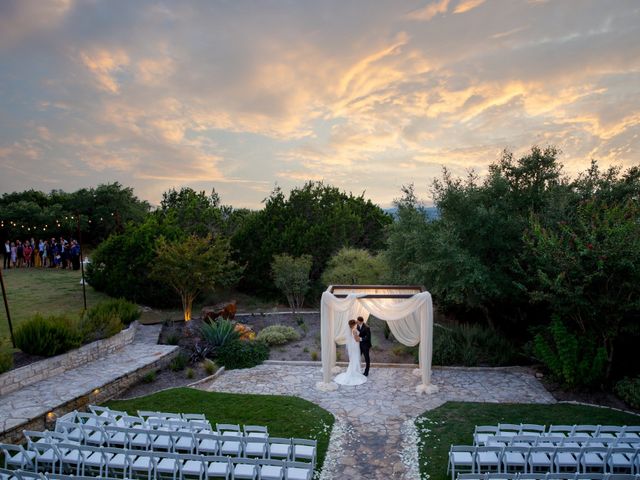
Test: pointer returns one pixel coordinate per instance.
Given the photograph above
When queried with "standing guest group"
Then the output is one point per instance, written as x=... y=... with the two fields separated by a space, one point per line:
x=42 y=254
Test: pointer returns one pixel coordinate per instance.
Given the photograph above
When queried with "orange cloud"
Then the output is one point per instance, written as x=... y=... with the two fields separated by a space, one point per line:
x=467 y=5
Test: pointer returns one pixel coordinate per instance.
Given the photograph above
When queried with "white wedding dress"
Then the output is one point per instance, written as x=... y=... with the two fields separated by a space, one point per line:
x=353 y=375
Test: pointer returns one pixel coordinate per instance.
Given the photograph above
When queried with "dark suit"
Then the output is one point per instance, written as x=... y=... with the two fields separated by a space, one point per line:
x=365 y=344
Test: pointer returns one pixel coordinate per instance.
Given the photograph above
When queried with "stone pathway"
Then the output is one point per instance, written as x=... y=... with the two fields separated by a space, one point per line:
x=19 y=407
x=371 y=419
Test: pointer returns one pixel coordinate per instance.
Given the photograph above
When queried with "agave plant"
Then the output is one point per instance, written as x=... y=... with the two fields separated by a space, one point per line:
x=218 y=333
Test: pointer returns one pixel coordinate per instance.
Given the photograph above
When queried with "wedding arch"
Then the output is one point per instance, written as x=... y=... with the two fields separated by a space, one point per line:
x=407 y=309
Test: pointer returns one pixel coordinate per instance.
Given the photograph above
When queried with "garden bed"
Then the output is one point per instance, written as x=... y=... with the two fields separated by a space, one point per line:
x=306 y=348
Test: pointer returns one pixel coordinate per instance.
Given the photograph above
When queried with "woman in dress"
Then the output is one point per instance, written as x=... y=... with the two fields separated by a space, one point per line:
x=353 y=375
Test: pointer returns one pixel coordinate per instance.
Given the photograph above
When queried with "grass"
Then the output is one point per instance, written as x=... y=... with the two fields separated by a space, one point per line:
x=46 y=291
x=453 y=424
x=283 y=416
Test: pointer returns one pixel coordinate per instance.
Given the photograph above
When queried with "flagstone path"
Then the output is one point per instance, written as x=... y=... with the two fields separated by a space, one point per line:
x=374 y=437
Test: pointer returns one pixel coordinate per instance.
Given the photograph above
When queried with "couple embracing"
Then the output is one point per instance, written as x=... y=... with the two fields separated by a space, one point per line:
x=358 y=343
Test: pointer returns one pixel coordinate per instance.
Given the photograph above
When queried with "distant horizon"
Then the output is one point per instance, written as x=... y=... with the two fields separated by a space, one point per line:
x=367 y=95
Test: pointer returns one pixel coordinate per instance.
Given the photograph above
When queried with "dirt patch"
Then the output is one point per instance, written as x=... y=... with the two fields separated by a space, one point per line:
x=597 y=397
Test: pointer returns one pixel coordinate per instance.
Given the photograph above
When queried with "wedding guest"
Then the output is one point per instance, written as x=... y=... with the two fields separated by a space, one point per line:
x=75 y=255
x=6 y=255
x=45 y=253
x=33 y=251
x=14 y=255
x=19 y=253
x=27 y=251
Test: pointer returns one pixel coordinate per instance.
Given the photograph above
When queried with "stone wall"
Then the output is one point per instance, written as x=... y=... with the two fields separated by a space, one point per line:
x=97 y=396
x=49 y=367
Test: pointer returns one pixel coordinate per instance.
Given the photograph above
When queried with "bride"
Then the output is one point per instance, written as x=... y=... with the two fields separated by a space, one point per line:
x=353 y=375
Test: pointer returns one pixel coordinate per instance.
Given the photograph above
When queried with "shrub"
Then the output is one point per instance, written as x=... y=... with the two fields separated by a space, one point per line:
x=314 y=356
x=209 y=366
x=628 y=389
x=150 y=377
x=470 y=345
x=572 y=360
x=47 y=336
x=190 y=373
x=277 y=335
x=173 y=339
x=237 y=354
x=125 y=310
x=178 y=363
x=6 y=360
x=99 y=323
x=217 y=334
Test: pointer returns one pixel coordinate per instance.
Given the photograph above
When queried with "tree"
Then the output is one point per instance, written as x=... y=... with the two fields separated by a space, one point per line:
x=121 y=264
x=194 y=212
x=291 y=276
x=192 y=266
x=588 y=271
x=316 y=220
x=351 y=266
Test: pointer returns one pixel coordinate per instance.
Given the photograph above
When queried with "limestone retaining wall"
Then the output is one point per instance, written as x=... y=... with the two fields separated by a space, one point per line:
x=49 y=367
x=93 y=397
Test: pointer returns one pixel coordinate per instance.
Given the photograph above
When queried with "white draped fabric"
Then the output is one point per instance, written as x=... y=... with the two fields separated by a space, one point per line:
x=410 y=320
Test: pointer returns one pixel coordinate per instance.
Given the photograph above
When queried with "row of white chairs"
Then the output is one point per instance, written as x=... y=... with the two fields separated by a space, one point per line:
x=546 y=476
x=83 y=460
x=512 y=459
x=150 y=439
x=92 y=419
x=511 y=429
x=263 y=446
x=556 y=441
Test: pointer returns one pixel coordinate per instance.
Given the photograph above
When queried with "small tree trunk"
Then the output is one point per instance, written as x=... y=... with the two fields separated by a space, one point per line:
x=187 y=305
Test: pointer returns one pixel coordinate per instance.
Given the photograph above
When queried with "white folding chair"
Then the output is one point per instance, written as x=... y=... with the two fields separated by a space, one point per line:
x=230 y=445
x=169 y=464
x=622 y=460
x=461 y=456
x=72 y=458
x=499 y=440
x=567 y=459
x=541 y=459
x=515 y=459
x=594 y=459
x=16 y=456
x=246 y=469
x=117 y=462
x=632 y=432
x=219 y=467
x=525 y=440
x=193 y=466
x=207 y=443
x=305 y=449
x=193 y=416
x=298 y=471
x=488 y=459
x=255 y=447
x=46 y=457
x=184 y=442
x=280 y=448
x=272 y=469
x=532 y=476
x=140 y=462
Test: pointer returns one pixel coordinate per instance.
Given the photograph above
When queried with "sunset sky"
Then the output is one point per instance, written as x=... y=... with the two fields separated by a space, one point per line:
x=366 y=95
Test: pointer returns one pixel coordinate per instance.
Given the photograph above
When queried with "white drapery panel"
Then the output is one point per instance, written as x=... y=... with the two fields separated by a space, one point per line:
x=410 y=320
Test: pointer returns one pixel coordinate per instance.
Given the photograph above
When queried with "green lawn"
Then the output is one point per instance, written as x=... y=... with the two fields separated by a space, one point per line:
x=283 y=416
x=47 y=291
x=453 y=424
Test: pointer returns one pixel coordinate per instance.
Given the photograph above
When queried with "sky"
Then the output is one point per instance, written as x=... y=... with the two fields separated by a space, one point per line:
x=366 y=95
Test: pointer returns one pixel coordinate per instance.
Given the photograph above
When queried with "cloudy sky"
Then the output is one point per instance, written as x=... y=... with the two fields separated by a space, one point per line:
x=366 y=95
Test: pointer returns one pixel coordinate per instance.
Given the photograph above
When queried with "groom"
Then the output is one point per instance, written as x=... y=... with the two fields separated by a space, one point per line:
x=365 y=342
